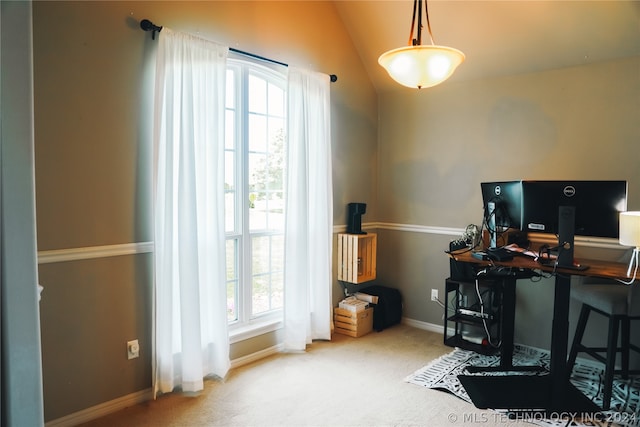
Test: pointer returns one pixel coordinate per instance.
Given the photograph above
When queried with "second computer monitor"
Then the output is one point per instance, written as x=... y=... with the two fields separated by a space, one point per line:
x=597 y=206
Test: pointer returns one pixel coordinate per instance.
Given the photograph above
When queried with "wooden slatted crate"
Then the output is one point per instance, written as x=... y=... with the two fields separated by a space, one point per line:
x=357 y=257
x=354 y=324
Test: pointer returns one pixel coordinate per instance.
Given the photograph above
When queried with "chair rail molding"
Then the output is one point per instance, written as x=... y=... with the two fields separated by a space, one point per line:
x=75 y=254
x=414 y=228
x=589 y=242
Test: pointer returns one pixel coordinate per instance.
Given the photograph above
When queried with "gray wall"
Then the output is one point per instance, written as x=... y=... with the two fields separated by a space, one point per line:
x=438 y=145
x=93 y=89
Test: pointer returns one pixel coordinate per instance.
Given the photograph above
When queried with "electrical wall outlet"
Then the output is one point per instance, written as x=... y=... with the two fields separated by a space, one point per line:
x=133 y=349
x=434 y=295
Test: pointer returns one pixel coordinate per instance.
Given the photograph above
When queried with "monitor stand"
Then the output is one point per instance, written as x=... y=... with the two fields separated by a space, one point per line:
x=566 y=234
x=491 y=225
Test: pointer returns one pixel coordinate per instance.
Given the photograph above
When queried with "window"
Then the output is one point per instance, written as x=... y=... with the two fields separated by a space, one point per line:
x=254 y=192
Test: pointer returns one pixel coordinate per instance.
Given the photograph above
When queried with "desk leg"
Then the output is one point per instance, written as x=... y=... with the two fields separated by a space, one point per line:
x=560 y=336
x=564 y=395
x=547 y=393
x=507 y=328
x=508 y=321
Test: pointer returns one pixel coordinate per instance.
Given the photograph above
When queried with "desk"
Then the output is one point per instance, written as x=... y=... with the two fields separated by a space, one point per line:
x=552 y=392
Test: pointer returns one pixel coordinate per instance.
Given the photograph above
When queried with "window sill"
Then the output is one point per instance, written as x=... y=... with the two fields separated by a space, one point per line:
x=252 y=330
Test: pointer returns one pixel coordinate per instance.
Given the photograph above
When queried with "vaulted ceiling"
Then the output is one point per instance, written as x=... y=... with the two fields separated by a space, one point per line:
x=498 y=37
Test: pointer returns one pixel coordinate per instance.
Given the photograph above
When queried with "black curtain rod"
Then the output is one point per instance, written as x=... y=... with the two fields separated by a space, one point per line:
x=147 y=25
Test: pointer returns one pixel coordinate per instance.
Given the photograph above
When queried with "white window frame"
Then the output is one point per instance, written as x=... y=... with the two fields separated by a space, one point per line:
x=247 y=326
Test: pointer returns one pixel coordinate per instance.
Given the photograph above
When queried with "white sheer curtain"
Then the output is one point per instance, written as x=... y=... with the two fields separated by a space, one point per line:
x=309 y=224
x=190 y=324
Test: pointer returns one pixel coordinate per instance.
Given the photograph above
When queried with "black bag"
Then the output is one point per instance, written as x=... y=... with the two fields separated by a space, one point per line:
x=388 y=311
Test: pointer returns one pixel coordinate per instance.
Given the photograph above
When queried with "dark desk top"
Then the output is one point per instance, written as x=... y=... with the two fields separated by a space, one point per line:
x=597 y=268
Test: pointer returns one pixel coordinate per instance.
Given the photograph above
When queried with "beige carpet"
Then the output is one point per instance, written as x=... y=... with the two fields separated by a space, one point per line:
x=345 y=382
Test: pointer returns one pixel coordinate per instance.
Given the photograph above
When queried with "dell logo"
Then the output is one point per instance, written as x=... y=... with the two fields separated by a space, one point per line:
x=569 y=191
x=497 y=190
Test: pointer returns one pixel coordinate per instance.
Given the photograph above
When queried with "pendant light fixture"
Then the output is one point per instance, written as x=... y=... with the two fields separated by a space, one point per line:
x=417 y=65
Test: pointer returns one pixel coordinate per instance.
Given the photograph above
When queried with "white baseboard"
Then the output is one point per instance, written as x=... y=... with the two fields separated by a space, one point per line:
x=123 y=402
x=245 y=360
x=102 y=409
x=432 y=327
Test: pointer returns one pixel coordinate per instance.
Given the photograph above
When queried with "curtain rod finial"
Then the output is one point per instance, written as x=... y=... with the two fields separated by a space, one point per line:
x=147 y=25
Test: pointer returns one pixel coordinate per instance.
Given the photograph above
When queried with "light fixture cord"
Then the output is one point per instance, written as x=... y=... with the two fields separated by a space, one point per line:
x=412 y=41
x=426 y=12
x=417 y=10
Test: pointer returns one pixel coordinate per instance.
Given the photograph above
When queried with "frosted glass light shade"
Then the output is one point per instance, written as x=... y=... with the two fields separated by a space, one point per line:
x=630 y=228
x=421 y=66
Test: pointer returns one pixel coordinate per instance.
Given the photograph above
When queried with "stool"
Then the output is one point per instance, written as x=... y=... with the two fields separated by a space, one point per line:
x=614 y=301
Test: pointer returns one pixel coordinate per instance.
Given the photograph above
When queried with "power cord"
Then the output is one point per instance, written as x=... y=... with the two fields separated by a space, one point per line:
x=486 y=219
x=437 y=301
x=484 y=320
x=635 y=260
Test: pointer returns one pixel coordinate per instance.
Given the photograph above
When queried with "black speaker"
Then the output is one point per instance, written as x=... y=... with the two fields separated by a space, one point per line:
x=354 y=217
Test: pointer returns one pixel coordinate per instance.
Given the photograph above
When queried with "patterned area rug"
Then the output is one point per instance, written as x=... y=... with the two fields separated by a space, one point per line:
x=443 y=374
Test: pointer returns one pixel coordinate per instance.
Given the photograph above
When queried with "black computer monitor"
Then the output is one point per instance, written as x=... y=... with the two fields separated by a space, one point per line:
x=502 y=201
x=507 y=197
x=597 y=206
x=573 y=208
